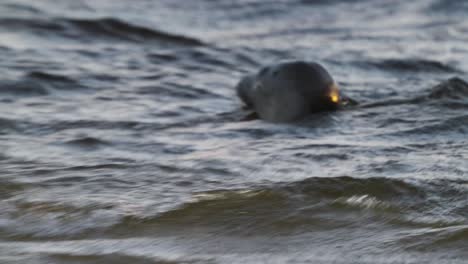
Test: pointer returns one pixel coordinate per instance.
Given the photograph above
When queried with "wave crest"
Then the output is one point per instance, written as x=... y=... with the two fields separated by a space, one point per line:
x=91 y=29
x=412 y=65
x=453 y=88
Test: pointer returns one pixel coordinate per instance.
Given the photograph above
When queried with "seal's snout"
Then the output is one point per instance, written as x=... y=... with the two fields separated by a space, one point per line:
x=334 y=94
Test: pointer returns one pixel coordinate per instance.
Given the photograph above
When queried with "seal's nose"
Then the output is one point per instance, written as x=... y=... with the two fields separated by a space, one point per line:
x=334 y=94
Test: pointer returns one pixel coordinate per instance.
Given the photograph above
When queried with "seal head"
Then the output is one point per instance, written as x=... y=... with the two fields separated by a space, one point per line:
x=289 y=91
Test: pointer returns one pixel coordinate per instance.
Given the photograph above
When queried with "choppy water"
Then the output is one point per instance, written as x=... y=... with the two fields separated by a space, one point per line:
x=120 y=140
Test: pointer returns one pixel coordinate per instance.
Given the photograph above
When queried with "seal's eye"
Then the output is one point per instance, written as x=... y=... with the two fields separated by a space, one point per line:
x=334 y=94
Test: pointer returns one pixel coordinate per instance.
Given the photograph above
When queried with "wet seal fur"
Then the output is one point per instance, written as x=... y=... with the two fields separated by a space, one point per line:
x=289 y=91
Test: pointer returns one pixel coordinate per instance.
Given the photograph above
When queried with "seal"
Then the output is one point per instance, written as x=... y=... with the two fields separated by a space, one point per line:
x=289 y=91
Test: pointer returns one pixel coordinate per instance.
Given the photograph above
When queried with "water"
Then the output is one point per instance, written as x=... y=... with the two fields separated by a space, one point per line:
x=121 y=139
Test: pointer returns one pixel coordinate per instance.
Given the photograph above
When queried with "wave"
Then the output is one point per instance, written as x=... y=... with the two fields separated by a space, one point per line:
x=206 y=59
x=173 y=89
x=53 y=126
x=87 y=142
x=411 y=65
x=435 y=238
x=102 y=258
x=8 y=189
x=90 y=29
x=327 y=2
x=453 y=88
x=315 y=204
x=48 y=77
x=119 y=29
x=15 y=7
x=448 y=126
x=452 y=93
x=38 y=83
x=7 y=125
x=448 y=6
x=22 y=88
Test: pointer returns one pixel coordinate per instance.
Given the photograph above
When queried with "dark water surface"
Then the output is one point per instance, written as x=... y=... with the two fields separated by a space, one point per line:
x=120 y=142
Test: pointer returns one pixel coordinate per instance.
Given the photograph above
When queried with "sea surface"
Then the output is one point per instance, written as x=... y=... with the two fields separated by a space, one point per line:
x=122 y=139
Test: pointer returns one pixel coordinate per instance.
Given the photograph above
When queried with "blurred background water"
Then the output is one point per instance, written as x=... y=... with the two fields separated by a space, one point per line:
x=115 y=145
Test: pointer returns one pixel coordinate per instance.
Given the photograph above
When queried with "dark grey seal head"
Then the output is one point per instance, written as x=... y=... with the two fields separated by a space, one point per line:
x=289 y=91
